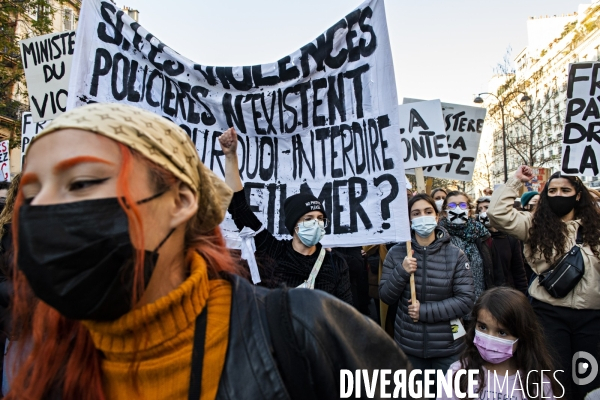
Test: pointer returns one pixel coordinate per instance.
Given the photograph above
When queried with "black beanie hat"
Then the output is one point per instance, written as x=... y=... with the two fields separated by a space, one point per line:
x=297 y=205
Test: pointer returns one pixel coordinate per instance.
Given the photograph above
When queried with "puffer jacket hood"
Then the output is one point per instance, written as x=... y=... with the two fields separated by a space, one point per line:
x=444 y=286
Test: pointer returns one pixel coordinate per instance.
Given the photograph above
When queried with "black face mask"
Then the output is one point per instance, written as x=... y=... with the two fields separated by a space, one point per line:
x=78 y=257
x=561 y=205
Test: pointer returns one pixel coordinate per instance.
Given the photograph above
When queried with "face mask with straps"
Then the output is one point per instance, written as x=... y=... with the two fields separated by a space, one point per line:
x=79 y=259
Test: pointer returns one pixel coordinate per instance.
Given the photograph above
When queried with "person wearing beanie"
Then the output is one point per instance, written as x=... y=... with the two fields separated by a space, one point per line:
x=529 y=200
x=293 y=262
x=507 y=260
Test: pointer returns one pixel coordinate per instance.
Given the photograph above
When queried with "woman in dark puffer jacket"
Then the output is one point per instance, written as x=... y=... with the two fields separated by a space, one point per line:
x=444 y=287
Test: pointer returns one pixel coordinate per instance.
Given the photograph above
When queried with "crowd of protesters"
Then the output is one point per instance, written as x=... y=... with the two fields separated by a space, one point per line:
x=116 y=283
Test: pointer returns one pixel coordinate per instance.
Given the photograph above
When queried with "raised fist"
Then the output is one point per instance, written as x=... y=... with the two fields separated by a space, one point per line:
x=228 y=141
x=524 y=173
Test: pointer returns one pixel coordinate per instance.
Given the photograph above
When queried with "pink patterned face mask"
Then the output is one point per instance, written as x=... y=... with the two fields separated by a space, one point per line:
x=492 y=349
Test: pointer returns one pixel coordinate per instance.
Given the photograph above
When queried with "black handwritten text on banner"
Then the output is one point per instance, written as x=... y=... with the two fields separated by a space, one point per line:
x=581 y=136
x=422 y=134
x=29 y=130
x=47 y=64
x=464 y=125
x=322 y=119
x=5 y=161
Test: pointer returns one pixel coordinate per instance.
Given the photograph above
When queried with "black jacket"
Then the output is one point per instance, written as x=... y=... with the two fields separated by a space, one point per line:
x=331 y=335
x=444 y=286
x=359 y=276
x=508 y=261
x=492 y=277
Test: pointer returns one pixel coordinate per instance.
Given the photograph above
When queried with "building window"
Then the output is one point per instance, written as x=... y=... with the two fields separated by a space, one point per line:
x=38 y=12
x=68 y=22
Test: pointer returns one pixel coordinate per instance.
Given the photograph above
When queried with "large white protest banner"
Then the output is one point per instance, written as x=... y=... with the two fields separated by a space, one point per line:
x=322 y=120
x=29 y=130
x=581 y=136
x=47 y=64
x=422 y=134
x=5 y=160
x=463 y=125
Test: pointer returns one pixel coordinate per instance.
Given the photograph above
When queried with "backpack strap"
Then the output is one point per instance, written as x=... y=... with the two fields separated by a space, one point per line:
x=293 y=366
x=312 y=277
x=579 y=239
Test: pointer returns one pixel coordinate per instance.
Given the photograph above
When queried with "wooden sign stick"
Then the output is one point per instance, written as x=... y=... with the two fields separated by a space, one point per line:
x=421 y=186
x=413 y=291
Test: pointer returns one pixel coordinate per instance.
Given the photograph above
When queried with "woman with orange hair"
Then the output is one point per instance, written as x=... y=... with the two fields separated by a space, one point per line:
x=116 y=229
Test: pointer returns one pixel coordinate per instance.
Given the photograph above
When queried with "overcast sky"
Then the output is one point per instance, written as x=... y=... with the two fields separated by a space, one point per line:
x=442 y=49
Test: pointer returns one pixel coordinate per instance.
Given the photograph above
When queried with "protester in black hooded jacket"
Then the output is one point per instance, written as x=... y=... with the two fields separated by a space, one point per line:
x=294 y=259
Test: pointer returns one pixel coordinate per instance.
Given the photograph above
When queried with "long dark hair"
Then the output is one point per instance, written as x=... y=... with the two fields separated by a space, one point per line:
x=11 y=198
x=514 y=313
x=548 y=233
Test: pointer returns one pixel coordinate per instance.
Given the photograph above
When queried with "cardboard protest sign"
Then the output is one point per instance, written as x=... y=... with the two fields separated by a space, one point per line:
x=538 y=182
x=463 y=125
x=581 y=136
x=47 y=64
x=5 y=160
x=28 y=131
x=322 y=119
x=422 y=134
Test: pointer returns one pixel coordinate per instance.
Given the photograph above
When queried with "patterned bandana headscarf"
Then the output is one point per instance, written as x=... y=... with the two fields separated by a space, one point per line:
x=159 y=140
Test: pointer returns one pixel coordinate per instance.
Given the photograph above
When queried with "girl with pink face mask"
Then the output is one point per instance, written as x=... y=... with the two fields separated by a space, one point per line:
x=505 y=343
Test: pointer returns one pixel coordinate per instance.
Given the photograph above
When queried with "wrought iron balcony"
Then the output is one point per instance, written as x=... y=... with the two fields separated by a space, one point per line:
x=11 y=109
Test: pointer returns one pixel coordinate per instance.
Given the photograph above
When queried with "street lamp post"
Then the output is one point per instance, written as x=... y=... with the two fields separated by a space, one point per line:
x=501 y=104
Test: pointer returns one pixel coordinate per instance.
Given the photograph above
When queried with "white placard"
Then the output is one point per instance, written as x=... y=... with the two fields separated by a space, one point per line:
x=28 y=131
x=463 y=125
x=47 y=64
x=422 y=134
x=5 y=160
x=322 y=120
x=581 y=135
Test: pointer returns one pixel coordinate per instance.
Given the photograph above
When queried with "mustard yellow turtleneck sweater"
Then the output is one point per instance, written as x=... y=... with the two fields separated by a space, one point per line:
x=160 y=337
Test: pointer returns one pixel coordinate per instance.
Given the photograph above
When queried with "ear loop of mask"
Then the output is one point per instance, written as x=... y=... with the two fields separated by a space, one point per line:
x=164 y=240
x=146 y=200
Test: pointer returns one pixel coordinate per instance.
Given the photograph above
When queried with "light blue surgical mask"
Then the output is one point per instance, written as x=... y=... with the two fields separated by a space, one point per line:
x=423 y=226
x=311 y=234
